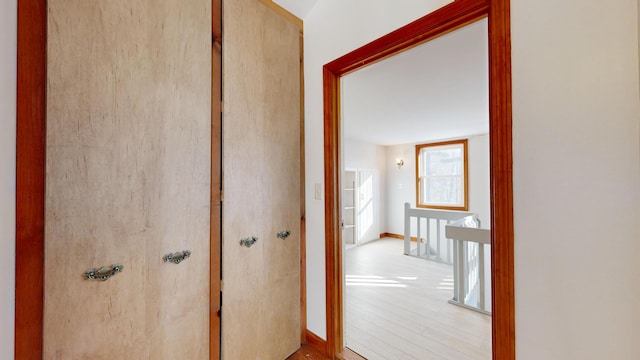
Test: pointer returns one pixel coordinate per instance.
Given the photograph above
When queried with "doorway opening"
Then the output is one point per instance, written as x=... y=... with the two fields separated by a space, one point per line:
x=426 y=109
x=435 y=24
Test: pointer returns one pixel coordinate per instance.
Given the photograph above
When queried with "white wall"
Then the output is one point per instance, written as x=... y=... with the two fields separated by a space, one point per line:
x=331 y=29
x=401 y=183
x=576 y=179
x=479 y=179
x=361 y=155
x=8 y=43
x=576 y=117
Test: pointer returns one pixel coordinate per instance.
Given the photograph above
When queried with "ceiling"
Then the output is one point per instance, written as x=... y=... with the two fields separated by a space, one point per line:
x=436 y=91
x=299 y=8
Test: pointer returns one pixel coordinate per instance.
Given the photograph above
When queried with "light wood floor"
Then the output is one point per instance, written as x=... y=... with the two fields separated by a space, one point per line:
x=396 y=308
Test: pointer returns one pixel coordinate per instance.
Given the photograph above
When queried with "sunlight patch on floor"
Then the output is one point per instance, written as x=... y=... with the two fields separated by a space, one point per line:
x=397 y=307
x=371 y=280
x=446 y=284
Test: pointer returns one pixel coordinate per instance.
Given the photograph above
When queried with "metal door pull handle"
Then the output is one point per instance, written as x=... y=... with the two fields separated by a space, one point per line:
x=249 y=241
x=104 y=273
x=177 y=257
x=284 y=234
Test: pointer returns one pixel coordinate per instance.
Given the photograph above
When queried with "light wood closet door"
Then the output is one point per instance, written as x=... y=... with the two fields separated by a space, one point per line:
x=128 y=178
x=261 y=182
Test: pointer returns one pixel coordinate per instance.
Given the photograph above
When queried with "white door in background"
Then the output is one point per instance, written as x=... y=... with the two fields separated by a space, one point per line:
x=367 y=206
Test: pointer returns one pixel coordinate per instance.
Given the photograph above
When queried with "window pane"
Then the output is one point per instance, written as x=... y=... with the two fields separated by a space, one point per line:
x=443 y=162
x=443 y=190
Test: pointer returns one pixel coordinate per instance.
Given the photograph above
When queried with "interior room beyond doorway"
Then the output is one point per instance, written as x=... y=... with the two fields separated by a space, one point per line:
x=437 y=91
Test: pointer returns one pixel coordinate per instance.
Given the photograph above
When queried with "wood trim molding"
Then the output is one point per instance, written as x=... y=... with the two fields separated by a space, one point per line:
x=216 y=22
x=501 y=174
x=315 y=341
x=349 y=354
x=284 y=13
x=437 y=23
x=303 y=218
x=215 y=252
x=465 y=162
x=397 y=236
x=30 y=177
x=333 y=250
x=394 y=236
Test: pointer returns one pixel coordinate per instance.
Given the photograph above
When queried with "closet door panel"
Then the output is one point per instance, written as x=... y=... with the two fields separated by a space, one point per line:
x=261 y=140
x=127 y=178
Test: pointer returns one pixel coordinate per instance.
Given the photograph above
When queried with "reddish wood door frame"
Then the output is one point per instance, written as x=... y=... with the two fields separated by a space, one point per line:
x=441 y=21
x=30 y=177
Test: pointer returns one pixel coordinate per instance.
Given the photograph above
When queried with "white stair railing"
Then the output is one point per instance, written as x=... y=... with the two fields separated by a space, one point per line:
x=428 y=226
x=454 y=238
x=469 y=242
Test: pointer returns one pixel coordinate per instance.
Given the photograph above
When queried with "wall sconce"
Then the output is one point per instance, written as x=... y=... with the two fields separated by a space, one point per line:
x=399 y=162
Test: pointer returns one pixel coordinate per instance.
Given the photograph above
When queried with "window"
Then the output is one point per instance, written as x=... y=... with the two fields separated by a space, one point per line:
x=441 y=175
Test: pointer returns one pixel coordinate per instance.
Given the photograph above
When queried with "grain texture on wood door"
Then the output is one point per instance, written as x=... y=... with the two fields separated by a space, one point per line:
x=128 y=178
x=261 y=181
